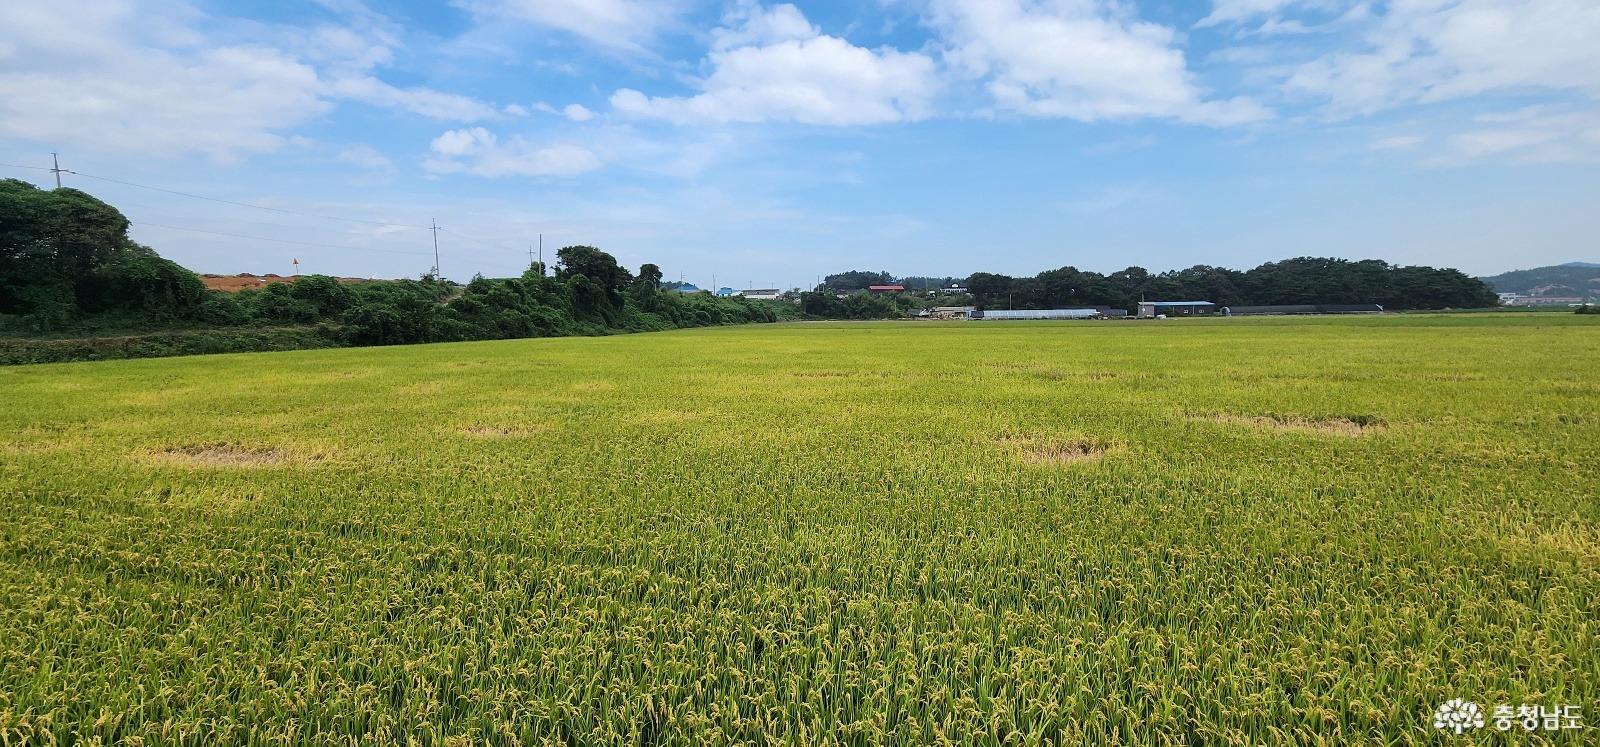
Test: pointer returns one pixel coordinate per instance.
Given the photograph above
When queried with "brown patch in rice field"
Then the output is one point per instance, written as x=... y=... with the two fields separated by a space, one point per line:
x=426 y=387
x=1054 y=451
x=220 y=455
x=1334 y=426
x=480 y=430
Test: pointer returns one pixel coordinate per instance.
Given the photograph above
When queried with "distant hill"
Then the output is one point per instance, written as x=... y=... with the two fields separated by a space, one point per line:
x=1571 y=279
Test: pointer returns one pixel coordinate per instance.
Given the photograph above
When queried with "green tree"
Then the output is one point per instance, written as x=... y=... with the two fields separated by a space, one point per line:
x=49 y=240
x=854 y=280
x=987 y=288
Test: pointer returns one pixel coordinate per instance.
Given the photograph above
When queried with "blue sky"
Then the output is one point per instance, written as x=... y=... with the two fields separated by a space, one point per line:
x=768 y=144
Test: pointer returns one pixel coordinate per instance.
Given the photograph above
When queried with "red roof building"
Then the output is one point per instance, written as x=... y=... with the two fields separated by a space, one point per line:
x=885 y=288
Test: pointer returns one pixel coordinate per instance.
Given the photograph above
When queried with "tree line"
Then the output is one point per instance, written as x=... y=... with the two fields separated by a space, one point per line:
x=67 y=266
x=1303 y=280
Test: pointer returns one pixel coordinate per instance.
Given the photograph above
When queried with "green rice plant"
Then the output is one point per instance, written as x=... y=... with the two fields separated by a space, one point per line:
x=1239 y=531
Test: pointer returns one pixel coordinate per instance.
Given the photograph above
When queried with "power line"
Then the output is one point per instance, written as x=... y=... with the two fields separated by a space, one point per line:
x=280 y=241
x=246 y=204
x=59 y=171
x=313 y=243
x=434 y=227
x=476 y=241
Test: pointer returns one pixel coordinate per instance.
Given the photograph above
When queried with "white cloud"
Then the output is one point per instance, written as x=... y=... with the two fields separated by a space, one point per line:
x=83 y=79
x=1533 y=135
x=347 y=58
x=1080 y=59
x=423 y=101
x=1234 y=11
x=1271 y=14
x=344 y=48
x=366 y=157
x=574 y=112
x=480 y=152
x=623 y=24
x=750 y=24
x=1423 y=51
x=1397 y=142
x=772 y=65
x=136 y=76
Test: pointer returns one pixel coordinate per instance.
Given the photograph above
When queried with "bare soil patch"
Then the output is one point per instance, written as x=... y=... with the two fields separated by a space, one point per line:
x=480 y=430
x=666 y=416
x=220 y=455
x=1343 y=427
x=1048 y=451
x=246 y=281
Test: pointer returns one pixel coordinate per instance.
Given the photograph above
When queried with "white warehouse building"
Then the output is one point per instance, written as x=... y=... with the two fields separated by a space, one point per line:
x=986 y=315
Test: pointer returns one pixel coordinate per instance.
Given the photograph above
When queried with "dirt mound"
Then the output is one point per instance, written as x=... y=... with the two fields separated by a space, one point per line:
x=243 y=281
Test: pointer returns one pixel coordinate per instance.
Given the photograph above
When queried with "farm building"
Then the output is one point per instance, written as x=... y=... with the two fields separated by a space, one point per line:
x=761 y=294
x=986 y=315
x=1269 y=310
x=885 y=288
x=1547 y=301
x=1349 y=308
x=1150 y=309
x=1298 y=309
x=689 y=288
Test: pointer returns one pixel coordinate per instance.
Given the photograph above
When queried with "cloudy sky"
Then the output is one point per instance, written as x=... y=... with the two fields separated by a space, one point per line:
x=770 y=143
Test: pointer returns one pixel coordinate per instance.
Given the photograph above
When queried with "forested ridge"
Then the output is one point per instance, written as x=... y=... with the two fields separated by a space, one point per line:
x=1580 y=279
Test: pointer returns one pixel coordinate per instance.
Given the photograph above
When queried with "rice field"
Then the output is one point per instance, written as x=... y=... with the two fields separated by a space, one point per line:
x=1244 y=531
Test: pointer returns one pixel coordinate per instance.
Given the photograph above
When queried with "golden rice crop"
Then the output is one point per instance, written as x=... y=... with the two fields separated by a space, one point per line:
x=1306 y=531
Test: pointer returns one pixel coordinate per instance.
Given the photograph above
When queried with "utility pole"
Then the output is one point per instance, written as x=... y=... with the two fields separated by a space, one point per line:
x=434 y=227
x=541 y=254
x=55 y=161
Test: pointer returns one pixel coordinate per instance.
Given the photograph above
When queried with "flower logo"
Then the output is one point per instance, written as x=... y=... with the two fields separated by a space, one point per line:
x=1458 y=715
